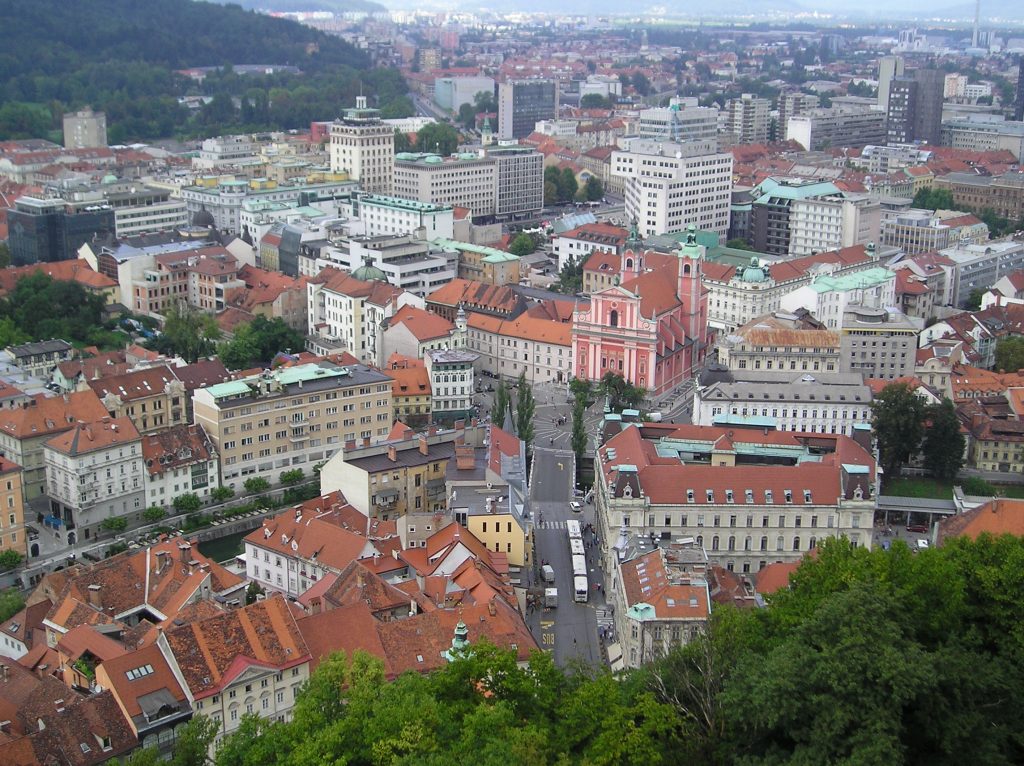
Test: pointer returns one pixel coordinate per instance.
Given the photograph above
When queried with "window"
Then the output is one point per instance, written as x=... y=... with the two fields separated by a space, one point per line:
x=714 y=543
x=796 y=543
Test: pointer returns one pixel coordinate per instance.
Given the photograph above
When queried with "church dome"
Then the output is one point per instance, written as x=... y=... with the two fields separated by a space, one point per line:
x=753 y=272
x=204 y=219
x=369 y=273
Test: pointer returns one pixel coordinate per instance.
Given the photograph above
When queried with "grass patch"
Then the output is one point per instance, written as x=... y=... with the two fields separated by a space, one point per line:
x=941 y=490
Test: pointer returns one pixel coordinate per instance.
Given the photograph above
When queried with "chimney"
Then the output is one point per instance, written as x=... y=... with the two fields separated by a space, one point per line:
x=460 y=425
x=94 y=595
x=464 y=458
x=160 y=561
x=6 y=675
x=392 y=453
x=424 y=449
x=185 y=552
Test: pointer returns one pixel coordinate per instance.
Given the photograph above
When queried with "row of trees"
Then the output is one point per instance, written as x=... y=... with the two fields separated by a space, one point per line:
x=904 y=425
x=562 y=186
x=893 y=658
x=942 y=199
x=522 y=412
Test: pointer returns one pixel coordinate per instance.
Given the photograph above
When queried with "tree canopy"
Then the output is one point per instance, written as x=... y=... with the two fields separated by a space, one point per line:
x=258 y=342
x=898 y=424
x=1010 y=354
x=522 y=244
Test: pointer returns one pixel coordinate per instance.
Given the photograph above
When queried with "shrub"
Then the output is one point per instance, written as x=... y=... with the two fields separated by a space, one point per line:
x=256 y=484
x=187 y=503
x=153 y=514
x=114 y=524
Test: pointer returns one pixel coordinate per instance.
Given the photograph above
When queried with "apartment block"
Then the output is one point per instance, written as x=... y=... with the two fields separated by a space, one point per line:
x=396 y=216
x=746 y=119
x=179 y=460
x=781 y=341
x=877 y=343
x=820 y=224
x=291 y=417
x=678 y=124
x=13 y=535
x=820 y=129
x=153 y=398
x=522 y=103
x=467 y=180
x=1003 y=194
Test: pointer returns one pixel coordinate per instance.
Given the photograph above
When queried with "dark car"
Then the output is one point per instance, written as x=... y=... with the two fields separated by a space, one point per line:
x=920 y=528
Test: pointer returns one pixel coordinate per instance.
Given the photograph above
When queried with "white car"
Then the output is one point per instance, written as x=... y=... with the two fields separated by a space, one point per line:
x=922 y=545
x=576 y=507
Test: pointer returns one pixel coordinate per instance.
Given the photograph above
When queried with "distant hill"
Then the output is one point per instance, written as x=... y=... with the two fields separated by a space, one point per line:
x=120 y=56
x=296 y=6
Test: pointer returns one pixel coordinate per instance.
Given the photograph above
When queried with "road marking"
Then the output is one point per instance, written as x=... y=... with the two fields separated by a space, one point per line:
x=546 y=624
x=548 y=639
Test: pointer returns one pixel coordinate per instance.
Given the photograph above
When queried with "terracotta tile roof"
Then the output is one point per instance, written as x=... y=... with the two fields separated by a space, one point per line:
x=348 y=629
x=502 y=443
x=525 y=327
x=89 y=368
x=999 y=516
x=27 y=625
x=409 y=381
x=603 y=262
x=775 y=576
x=795 y=268
x=97 y=435
x=498 y=299
x=62 y=271
x=424 y=325
x=657 y=290
x=176 y=447
x=314 y=530
x=646 y=580
x=129 y=689
x=140 y=384
x=358 y=584
x=203 y=373
x=212 y=653
x=343 y=283
x=604 y=233
x=51 y=414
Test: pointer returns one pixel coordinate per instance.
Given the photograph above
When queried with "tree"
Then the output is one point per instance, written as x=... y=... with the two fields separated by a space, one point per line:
x=187 y=332
x=944 y=445
x=570 y=278
x=146 y=756
x=569 y=185
x=187 y=503
x=594 y=101
x=253 y=592
x=5 y=255
x=739 y=244
x=641 y=84
x=154 y=514
x=437 y=138
x=402 y=142
x=525 y=407
x=621 y=394
x=294 y=476
x=258 y=342
x=973 y=302
x=1010 y=354
x=898 y=426
x=579 y=432
x=593 y=190
x=550 y=193
x=11 y=602
x=522 y=244
x=192 y=742
x=256 y=485
x=502 y=404
x=10 y=559
x=582 y=390
x=114 y=524
x=220 y=494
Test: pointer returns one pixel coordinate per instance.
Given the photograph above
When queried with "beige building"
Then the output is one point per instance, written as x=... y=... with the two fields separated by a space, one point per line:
x=539 y=348
x=364 y=147
x=821 y=224
x=12 y=509
x=85 y=129
x=781 y=341
x=293 y=417
x=463 y=180
x=396 y=477
x=153 y=398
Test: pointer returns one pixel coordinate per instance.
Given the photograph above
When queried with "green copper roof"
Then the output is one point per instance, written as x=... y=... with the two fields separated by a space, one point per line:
x=861 y=279
x=491 y=254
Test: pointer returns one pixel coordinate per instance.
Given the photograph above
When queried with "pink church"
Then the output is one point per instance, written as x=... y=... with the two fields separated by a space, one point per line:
x=652 y=327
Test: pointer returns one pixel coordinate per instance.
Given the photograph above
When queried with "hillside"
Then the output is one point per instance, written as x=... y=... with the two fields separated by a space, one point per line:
x=296 y=6
x=119 y=56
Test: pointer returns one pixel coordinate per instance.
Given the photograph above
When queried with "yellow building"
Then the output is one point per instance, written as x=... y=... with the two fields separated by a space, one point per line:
x=293 y=417
x=12 y=509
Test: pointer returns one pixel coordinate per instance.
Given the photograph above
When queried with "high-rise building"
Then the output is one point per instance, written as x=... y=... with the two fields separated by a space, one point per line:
x=851 y=126
x=915 y=108
x=679 y=124
x=364 y=147
x=790 y=105
x=85 y=129
x=45 y=230
x=889 y=68
x=747 y=118
x=522 y=103
x=668 y=186
x=1018 y=109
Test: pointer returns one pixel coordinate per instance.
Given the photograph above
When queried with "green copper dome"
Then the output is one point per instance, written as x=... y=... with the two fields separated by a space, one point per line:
x=753 y=272
x=369 y=273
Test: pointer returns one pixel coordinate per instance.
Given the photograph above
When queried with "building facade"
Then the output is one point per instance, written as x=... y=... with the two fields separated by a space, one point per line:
x=522 y=103
x=746 y=119
x=364 y=147
x=877 y=343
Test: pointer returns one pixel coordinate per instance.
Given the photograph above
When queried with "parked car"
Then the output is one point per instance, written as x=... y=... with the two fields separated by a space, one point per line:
x=919 y=528
x=576 y=507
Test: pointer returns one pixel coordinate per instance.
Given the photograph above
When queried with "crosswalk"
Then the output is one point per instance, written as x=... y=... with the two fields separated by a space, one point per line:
x=604 y=617
x=551 y=525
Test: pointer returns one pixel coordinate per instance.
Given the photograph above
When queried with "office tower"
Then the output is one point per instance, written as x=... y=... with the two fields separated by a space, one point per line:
x=915 y=108
x=46 y=230
x=790 y=105
x=889 y=68
x=364 y=147
x=747 y=118
x=522 y=103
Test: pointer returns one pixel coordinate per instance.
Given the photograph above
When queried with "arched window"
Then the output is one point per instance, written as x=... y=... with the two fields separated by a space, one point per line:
x=812 y=543
x=796 y=543
x=700 y=540
x=732 y=543
x=714 y=543
x=629 y=263
x=747 y=543
x=613 y=318
x=779 y=543
x=686 y=269
x=764 y=543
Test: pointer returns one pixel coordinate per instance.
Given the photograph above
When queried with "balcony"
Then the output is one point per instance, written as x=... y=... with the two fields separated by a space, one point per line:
x=385 y=498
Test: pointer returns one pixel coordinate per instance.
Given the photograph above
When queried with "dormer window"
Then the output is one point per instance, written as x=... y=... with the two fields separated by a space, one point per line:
x=728 y=496
x=807 y=496
x=710 y=495
x=749 y=495
x=769 y=496
x=788 y=493
x=689 y=495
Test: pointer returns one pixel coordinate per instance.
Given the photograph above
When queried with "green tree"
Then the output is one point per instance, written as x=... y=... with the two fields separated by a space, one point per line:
x=569 y=185
x=187 y=332
x=402 y=142
x=294 y=476
x=594 y=101
x=943 y=446
x=579 y=432
x=525 y=408
x=898 y=426
x=582 y=390
x=256 y=485
x=502 y=404
x=934 y=199
x=550 y=193
x=522 y=244
x=10 y=559
x=220 y=494
x=145 y=756
x=253 y=592
x=438 y=138
x=153 y=514
x=641 y=84
x=5 y=255
x=11 y=601
x=258 y=342
x=739 y=244
x=192 y=742
x=593 y=190
x=1010 y=354
x=187 y=503
x=973 y=302
x=114 y=524
x=620 y=393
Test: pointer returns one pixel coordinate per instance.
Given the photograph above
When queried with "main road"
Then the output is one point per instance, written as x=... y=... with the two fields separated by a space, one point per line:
x=570 y=629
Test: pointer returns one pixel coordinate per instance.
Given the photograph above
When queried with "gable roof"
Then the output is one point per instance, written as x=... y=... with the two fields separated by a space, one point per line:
x=43 y=415
x=999 y=516
x=424 y=325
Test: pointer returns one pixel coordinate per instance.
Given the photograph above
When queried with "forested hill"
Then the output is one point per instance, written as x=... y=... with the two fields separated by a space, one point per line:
x=119 y=56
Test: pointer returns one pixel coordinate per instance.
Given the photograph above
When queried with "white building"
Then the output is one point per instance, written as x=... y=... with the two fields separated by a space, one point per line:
x=820 y=224
x=180 y=460
x=679 y=124
x=852 y=126
x=396 y=216
x=668 y=186
x=224 y=151
x=746 y=118
x=467 y=180
x=407 y=262
x=812 y=402
x=827 y=297
x=540 y=348
x=885 y=159
x=95 y=472
x=451 y=382
x=364 y=147
x=451 y=93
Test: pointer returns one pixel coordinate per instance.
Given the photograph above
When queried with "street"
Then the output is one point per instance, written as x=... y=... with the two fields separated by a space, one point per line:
x=569 y=630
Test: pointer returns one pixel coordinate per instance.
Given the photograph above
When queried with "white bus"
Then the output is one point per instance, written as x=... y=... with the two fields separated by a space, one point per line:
x=573 y=527
x=579 y=566
x=581 y=588
x=576 y=547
